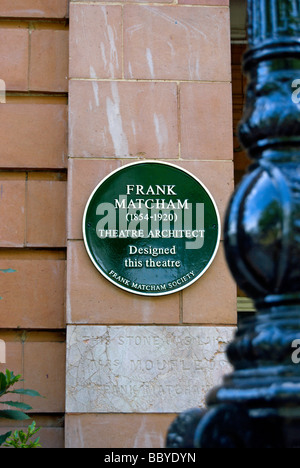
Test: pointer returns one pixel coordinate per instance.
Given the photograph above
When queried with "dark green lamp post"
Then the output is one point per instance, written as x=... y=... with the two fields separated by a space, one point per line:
x=258 y=404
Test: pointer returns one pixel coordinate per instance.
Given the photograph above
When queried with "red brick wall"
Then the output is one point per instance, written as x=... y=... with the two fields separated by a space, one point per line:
x=33 y=182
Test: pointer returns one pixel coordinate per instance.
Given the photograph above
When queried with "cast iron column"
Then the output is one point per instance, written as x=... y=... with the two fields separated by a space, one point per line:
x=258 y=404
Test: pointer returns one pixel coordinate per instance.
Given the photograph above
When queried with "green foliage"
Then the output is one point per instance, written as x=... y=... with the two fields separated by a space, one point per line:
x=7 y=381
x=3 y=437
x=20 y=439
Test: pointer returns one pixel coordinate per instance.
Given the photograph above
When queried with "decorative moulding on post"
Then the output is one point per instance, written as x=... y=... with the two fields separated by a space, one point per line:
x=258 y=404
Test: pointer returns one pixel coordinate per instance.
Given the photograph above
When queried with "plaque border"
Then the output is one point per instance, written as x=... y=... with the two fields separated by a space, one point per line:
x=137 y=292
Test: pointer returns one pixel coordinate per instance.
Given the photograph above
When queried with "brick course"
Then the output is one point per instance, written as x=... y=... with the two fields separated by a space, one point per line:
x=104 y=57
x=207 y=108
x=12 y=209
x=46 y=124
x=34 y=8
x=14 y=52
x=123 y=119
x=90 y=299
x=49 y=61
x=176 y=43
x=32 y=292
x=46 y=215
x=134 y=430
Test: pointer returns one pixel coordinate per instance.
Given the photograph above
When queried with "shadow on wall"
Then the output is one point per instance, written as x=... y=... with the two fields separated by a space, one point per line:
x=238 y=19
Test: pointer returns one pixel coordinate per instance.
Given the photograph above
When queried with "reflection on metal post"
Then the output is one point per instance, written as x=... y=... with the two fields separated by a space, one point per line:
x=258 y=404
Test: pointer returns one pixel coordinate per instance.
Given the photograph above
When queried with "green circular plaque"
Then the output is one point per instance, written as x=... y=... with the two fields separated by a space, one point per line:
x=151 y=228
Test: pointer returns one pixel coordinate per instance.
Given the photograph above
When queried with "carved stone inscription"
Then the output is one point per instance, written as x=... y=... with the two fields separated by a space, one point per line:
x=143 y=368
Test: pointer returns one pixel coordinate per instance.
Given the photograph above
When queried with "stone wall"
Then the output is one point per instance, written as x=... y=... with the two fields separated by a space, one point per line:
x=147 y=81
x=89 y=88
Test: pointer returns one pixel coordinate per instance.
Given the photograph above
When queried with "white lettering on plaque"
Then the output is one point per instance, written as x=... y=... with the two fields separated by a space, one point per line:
x=143 y=368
